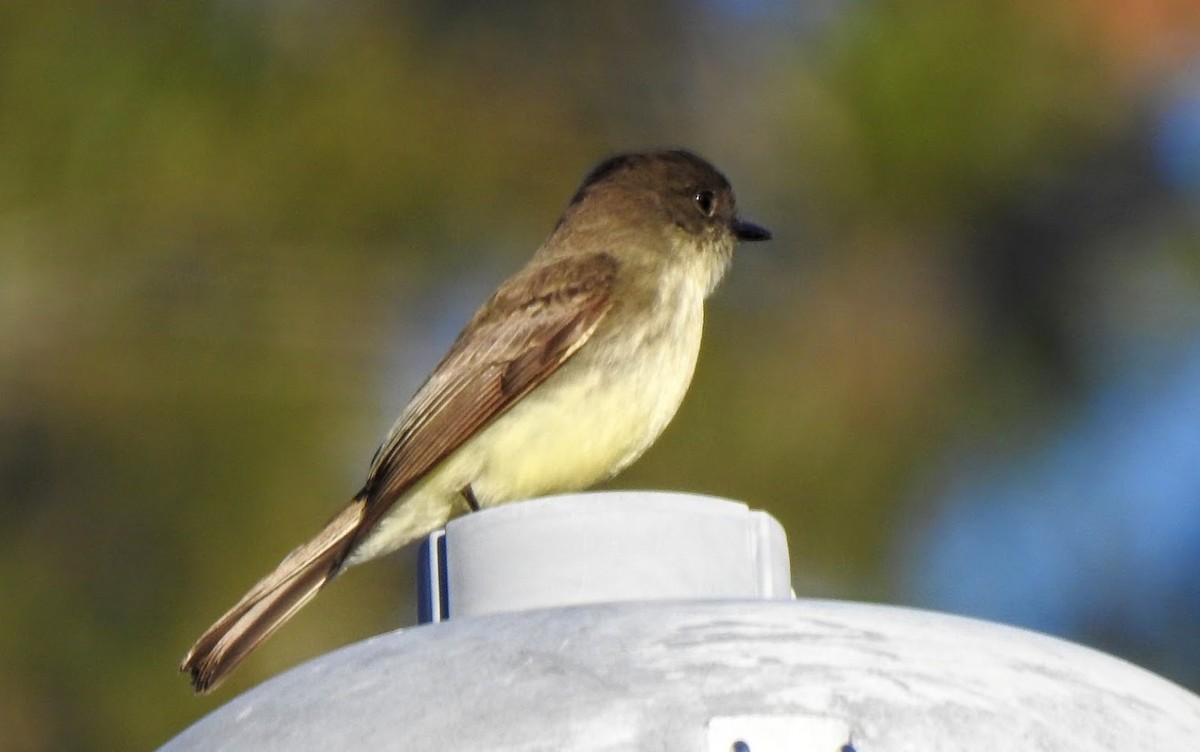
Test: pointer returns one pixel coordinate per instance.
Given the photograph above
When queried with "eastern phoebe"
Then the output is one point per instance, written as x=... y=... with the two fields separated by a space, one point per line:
x=566 y=375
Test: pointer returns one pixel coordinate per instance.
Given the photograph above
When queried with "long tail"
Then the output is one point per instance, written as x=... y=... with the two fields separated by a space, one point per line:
x=272 y=601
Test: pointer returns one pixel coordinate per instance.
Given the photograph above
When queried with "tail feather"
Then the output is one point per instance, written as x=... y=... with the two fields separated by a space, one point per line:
x=272 y=601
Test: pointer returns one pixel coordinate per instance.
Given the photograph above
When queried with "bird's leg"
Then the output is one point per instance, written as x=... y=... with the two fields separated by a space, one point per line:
x=469 y=495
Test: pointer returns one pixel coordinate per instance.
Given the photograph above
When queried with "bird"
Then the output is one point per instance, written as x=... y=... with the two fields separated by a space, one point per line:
x=563 y=377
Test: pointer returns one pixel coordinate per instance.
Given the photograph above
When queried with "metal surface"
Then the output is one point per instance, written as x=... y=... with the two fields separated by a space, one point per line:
x=680 y=675
x=602 y=547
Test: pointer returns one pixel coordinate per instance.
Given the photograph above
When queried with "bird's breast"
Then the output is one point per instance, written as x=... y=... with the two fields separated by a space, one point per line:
x=601 y=410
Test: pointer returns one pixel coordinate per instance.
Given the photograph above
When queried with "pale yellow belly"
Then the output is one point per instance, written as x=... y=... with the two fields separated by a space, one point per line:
x=582 y=426
x=589 y=420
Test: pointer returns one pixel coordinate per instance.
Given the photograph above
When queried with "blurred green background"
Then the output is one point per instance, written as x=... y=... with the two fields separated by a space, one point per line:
x=235 y=235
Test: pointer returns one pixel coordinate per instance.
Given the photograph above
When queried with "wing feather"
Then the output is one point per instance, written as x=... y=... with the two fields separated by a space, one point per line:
x=522 y=335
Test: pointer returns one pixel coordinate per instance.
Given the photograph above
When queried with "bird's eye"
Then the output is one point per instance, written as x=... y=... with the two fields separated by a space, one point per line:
x=706 y=202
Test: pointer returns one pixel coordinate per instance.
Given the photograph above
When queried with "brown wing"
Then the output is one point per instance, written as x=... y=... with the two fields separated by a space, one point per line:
x=524 y=333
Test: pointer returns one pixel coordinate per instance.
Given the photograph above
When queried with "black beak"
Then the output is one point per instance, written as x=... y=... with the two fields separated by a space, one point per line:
x=749 y=231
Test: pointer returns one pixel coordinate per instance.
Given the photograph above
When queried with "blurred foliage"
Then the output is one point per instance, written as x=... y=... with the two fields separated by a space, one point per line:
x=223 y=224
x=927 y=111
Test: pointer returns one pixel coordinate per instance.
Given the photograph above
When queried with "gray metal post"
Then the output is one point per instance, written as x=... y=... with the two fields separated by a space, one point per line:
x=728 y=668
